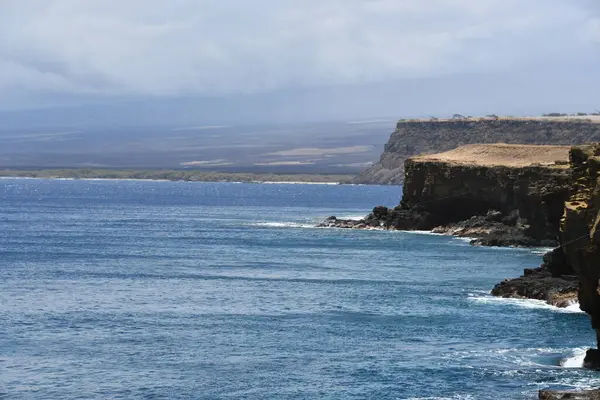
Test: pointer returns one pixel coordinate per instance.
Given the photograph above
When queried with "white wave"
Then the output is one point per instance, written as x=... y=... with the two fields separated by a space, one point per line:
x=352 y=217
x=120 y=179
x=282 y=225
x=455 y=397
x=541 y=250
x=424 y=233
x=574 y=307
x=525 y=303
x=466 y=239
x=296 y=183
x=575 y=360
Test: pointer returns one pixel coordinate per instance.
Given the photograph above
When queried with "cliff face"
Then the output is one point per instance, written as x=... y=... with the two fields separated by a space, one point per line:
x=580 y=235
x=444 y=194
x=413 y=137
x=501 y=194
x=575 y=264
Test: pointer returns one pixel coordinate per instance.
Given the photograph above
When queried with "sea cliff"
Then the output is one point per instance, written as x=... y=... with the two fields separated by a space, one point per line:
x=514 y=195
x=412 y=137
x=580 y=238
x=497 y=194
x=578 y=255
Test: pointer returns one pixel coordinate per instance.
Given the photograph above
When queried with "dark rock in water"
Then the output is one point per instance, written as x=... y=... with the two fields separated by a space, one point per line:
x=540 y=284
x=381 y=212
x=491 y=230
x=566 y=395
x=592 y=359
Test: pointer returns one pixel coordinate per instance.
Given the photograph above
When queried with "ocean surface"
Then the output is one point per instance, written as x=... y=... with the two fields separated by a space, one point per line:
x=173 y=290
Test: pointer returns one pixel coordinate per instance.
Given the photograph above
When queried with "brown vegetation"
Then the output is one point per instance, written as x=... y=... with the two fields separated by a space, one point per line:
x=510 y=155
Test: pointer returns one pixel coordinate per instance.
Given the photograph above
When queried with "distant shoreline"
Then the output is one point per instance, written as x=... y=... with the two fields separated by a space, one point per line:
x=174 y=176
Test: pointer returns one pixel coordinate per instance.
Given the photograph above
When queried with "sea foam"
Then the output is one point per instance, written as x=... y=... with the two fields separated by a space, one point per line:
x=282 y=225
x=524 y=303
x=575 y=360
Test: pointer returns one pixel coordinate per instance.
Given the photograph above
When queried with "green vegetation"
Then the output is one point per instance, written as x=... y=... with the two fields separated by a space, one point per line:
x=172 y=175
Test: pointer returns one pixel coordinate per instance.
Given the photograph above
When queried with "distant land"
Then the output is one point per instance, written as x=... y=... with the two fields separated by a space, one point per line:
x=336 y=148
x=173 y=175
x=425 y=136
x=256 y=152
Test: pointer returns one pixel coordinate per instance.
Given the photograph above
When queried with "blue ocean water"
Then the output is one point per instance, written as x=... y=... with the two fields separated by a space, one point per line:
x=173 y=290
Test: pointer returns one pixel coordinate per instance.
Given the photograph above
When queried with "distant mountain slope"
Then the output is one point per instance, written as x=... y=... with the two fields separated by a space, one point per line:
x=309 y=148
x=413 y=137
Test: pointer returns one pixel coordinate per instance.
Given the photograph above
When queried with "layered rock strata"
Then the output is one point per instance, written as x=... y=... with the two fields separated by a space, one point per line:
x=579 y=250
x=498 y=194
x=413 y=137
x=580 y=238
x=577 y=258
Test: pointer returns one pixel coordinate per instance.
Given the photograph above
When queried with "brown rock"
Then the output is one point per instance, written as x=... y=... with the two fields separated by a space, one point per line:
x=566 y=395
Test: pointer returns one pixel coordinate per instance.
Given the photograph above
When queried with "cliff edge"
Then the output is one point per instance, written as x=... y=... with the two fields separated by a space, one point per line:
x=572 y=270
x=579 y=249
x=413 y=137
x=499 y=194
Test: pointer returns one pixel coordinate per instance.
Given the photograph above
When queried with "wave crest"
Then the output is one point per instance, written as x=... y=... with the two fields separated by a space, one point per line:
x=574 y=361
x=525 y=303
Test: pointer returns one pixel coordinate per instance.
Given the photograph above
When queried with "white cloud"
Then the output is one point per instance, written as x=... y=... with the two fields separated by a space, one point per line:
x=203 y=47
x=591 y=30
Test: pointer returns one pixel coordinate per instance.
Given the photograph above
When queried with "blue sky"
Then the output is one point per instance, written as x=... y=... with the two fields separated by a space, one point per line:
x=74 y=51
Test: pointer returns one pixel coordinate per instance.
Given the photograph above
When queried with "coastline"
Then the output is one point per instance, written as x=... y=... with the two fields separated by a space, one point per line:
x=169 y=180
x=183 y=176
x=538 y=288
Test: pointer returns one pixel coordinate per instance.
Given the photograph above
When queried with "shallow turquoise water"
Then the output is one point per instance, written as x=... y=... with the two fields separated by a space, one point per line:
x=127 y=289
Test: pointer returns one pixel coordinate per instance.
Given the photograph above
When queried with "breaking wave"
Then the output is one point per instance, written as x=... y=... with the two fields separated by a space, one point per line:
x=283 y=225
x=524 y=303
x=575 y=360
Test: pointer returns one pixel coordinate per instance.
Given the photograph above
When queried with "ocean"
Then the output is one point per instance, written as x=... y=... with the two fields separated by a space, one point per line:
x=178 y=290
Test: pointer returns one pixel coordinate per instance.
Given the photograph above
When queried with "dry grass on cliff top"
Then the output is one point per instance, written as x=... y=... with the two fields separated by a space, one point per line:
x=500 y=154
x=567 y=118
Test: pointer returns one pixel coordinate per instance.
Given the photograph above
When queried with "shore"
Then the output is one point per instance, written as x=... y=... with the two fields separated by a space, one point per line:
x=175 y=175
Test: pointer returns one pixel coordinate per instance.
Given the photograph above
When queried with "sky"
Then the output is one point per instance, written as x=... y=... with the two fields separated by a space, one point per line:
x=414 y=57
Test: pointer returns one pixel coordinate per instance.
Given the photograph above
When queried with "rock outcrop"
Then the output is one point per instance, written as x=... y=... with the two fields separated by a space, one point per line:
x=499 y=194
x=580 y=238
x=554 y=282
x=413 y=137
x=578 y=254
x=569 y=395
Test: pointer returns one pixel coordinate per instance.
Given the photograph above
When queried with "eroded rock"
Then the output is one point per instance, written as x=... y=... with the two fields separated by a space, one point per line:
x=569 y=395
x=539 y=284
x=492 y=193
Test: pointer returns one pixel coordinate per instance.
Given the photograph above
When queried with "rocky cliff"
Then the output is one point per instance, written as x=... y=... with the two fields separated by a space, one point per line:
x=514 y=194
x=580 y=235
x=413 y=137
x=501 y=194
x=576 y=261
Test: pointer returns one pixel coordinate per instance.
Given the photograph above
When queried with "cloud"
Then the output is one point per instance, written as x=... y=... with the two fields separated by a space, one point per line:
x=232 y=47
x=591 y=30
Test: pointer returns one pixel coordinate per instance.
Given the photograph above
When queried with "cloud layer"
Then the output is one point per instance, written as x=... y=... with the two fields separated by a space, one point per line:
x=232 y=47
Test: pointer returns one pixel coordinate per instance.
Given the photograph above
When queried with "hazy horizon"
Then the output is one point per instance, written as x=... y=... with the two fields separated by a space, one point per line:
x=147 y=83
x=297 y=61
